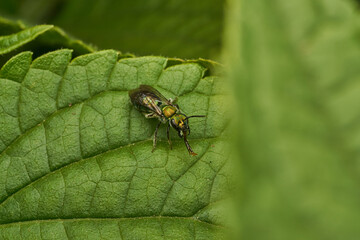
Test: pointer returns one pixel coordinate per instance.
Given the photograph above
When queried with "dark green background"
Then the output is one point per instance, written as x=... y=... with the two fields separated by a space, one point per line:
x=172 y=28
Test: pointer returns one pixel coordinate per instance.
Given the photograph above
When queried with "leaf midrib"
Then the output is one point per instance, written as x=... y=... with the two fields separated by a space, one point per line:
x=113 y=219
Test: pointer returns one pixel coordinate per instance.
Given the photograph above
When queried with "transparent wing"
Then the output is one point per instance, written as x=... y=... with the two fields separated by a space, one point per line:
x=149 y=89
x=147 y=99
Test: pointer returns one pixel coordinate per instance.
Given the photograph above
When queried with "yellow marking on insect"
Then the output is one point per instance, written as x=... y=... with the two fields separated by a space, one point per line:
x=181 y=123
x=169 y=111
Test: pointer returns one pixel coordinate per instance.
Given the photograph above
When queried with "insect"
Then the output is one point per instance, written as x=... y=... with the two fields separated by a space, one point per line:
x=153 y=104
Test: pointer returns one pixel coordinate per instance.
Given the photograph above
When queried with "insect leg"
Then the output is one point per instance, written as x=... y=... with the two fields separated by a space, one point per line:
x=173 y=100
x=168 y=135
x=191 y=152
x=150 y=115
x=155 y=136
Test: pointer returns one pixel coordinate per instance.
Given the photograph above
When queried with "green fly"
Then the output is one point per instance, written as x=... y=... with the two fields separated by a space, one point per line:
x=153 y=104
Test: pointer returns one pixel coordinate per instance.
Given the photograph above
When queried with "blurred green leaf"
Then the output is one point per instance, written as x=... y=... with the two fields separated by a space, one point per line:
x=13 y=41
x=76 y=157
x=39 y=39
x=296 y=68
x=186 y=29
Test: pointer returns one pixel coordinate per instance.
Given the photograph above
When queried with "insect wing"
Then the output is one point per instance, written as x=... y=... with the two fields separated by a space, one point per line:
x=146 y=100
x=151 y=90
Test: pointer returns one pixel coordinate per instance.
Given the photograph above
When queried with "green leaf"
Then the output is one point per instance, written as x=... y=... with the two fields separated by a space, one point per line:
x=296 y=68
x=41 y=39
x=76 y=156
x=13 y=41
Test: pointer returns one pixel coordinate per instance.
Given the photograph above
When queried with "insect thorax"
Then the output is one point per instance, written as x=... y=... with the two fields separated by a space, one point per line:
x=169 y=111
